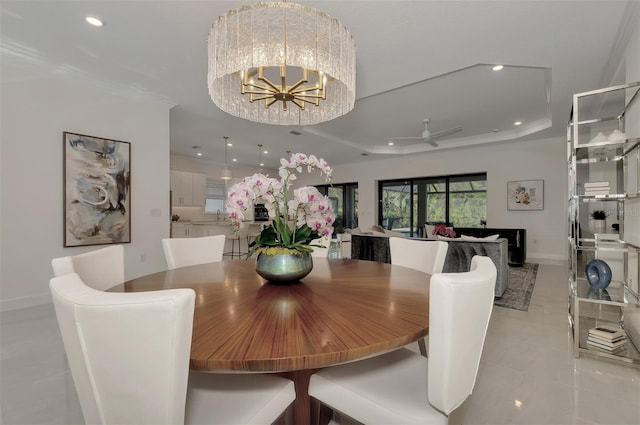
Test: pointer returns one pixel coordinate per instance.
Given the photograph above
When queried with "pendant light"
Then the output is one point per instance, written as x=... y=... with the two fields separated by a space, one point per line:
x=260 y=163
x=225 y=174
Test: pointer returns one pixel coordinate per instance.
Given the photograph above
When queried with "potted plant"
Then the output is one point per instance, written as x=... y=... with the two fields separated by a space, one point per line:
x=599 y=217
x=284 y=247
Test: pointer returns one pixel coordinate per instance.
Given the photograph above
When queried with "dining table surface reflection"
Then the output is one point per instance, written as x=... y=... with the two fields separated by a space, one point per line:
x=342 y=311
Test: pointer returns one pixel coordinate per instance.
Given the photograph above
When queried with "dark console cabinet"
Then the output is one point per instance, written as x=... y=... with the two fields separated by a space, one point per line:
x=517 y=239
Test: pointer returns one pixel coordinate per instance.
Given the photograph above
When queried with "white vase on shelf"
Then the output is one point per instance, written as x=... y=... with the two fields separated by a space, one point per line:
x=599 y=226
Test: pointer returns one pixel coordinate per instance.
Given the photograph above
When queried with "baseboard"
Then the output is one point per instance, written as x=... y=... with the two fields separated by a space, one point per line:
x=25 y=302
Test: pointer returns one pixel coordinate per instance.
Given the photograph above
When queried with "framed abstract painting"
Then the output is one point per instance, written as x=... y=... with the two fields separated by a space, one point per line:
x=97 y=190
x=525 y=195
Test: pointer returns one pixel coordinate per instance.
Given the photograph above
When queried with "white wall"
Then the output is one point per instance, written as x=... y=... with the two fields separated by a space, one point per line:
x=503 y=162
x=36 y=110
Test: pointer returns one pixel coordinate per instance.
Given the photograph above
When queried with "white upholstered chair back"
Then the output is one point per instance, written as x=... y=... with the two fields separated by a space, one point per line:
x=425 y=256
x=321 y=252
x=460 y=305
x=128 y=353
x=182 y=252
x=100 y=269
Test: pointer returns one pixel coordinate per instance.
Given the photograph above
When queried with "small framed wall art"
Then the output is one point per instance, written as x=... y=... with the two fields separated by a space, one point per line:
x=97 y=190
x=525 y=195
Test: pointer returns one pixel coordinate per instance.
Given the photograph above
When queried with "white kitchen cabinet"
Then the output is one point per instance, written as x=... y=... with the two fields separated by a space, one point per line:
x=199 y=229
x=199 y=189
x=212 y=229
x=188 y=189
x=181 y=230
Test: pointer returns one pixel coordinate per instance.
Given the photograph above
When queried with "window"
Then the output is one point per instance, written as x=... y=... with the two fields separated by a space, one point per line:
x=216 y=197
x=406 y=205
x=344 y=200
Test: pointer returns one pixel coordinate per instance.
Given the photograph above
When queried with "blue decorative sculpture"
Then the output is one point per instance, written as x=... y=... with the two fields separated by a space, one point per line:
x=598 y=274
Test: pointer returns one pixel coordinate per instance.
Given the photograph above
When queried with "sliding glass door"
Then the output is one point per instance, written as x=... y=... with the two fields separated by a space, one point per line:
x=344 y=200
x=407 y=204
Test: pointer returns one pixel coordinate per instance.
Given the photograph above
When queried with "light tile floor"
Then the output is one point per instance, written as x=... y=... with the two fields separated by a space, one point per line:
x=528 y=374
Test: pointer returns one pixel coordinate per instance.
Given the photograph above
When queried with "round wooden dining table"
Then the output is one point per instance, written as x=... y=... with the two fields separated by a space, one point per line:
x=343 y=310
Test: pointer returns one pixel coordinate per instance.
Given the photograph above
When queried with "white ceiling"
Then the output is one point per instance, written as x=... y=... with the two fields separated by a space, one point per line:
x=416 y=60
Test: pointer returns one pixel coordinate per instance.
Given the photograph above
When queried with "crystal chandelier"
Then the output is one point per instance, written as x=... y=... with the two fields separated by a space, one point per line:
x=281 y=63
x=225 y=174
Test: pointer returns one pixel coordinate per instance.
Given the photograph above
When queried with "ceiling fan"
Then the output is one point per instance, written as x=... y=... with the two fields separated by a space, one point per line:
x=427 y=136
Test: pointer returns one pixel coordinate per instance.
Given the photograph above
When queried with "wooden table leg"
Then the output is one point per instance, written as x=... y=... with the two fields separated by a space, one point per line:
x=302 y=403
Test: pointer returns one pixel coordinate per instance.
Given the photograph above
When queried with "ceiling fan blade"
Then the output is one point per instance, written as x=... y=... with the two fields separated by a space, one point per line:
x=430 y=140
x=404 y=138
x=442 y=133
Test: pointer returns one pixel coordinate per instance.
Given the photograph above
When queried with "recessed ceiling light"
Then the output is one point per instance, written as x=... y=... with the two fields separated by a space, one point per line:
x=265 y=152
x=517 y=123
x=199 y=154
x=390 y=143
x=94 y=21
x=235 y=159
x=498 y=67
x=229 y=144
x=262 y=164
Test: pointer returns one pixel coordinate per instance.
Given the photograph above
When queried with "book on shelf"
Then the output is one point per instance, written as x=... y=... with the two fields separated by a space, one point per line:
x=606 y=332
x=596 y=192
x=606 y=345
x=595 y=184
x=616 y=351
x=597 y=338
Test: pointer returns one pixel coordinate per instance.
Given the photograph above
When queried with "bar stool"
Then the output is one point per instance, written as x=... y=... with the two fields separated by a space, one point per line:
x=236 y=237
x=253 y=232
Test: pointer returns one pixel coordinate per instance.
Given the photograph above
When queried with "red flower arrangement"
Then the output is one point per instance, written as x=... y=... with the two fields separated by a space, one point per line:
x=443 y=230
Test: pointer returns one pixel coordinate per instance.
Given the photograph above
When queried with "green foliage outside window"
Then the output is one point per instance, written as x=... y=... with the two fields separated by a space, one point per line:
x=404 y=207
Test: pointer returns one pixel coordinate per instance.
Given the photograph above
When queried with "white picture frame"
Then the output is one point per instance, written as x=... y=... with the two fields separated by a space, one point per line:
x=525 y=195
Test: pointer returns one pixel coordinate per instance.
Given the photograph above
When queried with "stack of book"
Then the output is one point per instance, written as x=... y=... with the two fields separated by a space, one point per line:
x=596 y=188
x=607 y=338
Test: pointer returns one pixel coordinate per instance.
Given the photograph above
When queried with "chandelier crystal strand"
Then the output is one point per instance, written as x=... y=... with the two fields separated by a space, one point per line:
x=281 y=63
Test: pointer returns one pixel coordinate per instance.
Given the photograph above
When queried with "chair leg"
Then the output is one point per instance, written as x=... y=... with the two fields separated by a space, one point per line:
x=232 y=253
x=320 y=413
x=423 y=347
x=286 y=418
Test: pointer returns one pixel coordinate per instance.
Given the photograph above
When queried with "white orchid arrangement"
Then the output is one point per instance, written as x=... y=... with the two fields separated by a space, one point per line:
x=310 y=210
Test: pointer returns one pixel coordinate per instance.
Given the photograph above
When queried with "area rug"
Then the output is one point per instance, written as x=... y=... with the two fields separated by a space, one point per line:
x=518 y=293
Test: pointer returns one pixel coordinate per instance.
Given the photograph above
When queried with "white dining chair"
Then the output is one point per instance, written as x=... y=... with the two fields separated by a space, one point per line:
x=321 y=251
x=425 y=256
x=403 y=387
x=101 y=269
x=182 y=252
x=421 y=255
x=129 y=359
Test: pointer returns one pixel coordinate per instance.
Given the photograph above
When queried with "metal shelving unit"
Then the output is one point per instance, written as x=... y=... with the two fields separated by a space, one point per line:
x=591 y=157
